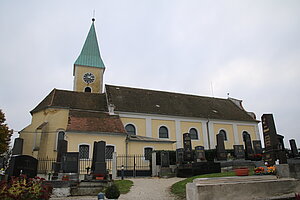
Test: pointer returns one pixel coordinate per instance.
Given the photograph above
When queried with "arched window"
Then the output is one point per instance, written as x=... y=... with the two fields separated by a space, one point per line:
x=147 y=153
x=194 y=134
x=87 y=89
x=224 y=134
x=130 y=129
x=163 y=132
x=109 y=151
x=84 y=151
x=60 y=136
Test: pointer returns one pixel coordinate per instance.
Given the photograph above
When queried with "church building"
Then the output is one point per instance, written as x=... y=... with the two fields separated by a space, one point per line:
x=130 y=120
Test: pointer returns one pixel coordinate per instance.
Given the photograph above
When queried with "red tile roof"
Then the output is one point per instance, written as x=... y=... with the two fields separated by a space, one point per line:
x=98 y=122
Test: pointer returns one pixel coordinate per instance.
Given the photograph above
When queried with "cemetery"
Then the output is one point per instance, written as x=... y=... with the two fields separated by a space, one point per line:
x=66 y=177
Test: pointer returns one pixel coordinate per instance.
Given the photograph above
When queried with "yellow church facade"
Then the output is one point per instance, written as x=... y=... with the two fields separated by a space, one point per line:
x=130 y=120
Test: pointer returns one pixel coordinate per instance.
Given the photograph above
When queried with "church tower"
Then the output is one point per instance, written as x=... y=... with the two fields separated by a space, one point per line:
x=89 y=68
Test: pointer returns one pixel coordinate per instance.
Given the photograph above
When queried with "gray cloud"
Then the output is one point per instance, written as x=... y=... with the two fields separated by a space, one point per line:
x=247 y=48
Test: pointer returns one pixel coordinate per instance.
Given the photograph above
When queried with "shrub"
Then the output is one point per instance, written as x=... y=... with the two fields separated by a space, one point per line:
x=22 y=188
x=112 y=192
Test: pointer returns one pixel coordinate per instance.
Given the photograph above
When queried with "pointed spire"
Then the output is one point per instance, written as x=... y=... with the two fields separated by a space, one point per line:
x=90 y=54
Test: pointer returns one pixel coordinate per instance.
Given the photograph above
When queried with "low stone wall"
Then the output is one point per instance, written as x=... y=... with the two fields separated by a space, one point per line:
x=236 y=188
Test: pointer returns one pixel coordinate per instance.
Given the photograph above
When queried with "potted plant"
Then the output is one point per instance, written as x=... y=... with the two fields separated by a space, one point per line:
x=112 y=192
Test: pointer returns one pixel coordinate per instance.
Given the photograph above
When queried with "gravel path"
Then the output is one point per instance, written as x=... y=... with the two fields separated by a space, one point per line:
x=151 y=189
x=143 y=188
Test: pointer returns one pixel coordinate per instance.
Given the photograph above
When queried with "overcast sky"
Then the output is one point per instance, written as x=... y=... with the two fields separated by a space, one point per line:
x=249 y=49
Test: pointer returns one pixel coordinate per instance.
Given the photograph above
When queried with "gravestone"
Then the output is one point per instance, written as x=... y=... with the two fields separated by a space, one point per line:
x=257 y=147
x=221 y=153
x=248 y=146
x=62 y=148
x=187 y=145
x=98 y=162
x=294 y=149
x=280 y=142
x=18 y=147
x=70 y=162
x=273 y=147
x=200 y=154
x=23 y=164
x=179 y=155
x=165 y=162
x=239 y=151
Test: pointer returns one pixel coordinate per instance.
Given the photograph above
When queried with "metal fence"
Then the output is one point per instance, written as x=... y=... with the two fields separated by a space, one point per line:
x=133 y=165
x=45 y=165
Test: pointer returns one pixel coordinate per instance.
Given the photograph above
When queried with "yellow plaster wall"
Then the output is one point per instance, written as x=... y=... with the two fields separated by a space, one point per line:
x=250 y=129
x=140 y=124
x=80 y=85
x=170 y=124
x=186 y=126
x=57 y=120
x=74 y=139
x=138 y=147
x=229 y=131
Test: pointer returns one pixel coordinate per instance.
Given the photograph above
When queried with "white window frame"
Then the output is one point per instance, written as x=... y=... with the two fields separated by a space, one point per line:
x=88 y=87
x=169 y=132
x=135 y=126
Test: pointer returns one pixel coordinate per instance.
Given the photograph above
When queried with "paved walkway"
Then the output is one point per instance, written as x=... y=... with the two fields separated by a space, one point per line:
x=143 y=188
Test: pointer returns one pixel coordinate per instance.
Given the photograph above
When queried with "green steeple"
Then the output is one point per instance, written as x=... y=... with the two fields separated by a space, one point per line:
x=90 y=54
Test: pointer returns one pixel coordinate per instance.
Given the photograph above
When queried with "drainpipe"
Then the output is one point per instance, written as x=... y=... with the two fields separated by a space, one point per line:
x=208 y=138
x=126 y=150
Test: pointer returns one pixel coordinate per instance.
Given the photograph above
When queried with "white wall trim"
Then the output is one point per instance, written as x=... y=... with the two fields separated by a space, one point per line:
x=181 y=118
x=148 y=126
x=178 y=134
x=205 y=135
x=236 y=134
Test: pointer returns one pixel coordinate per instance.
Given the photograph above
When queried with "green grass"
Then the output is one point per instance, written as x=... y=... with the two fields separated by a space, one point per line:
x=124 y=185
x=179 y=188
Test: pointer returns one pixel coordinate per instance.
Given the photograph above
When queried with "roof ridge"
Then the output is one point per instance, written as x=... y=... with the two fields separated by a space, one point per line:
x=169 y=92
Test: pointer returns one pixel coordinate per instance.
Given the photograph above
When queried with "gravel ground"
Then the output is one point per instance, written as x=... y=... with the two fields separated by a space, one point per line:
x=143 y=188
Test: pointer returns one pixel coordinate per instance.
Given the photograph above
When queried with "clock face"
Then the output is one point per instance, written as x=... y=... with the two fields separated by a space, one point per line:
x=88 y=77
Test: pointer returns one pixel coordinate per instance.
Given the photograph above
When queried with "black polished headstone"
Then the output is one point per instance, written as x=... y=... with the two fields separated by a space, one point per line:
x=165 y=161
x=187 y=146
x=294 y=149
x=199 y=154
x=221 y=152
x=239 y=152
x=18 y=147
x=248 y=146
x=179 y=155
x=257 y=147
x=274 y=147
x=23 y=164
x=99 y=162
x=280 y=142
x=269 y=132
x=62 y=148
x=70 y=162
